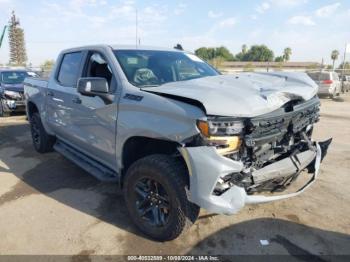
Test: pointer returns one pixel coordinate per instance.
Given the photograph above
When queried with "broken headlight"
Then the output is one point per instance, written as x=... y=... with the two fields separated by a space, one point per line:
x=12 y=94
x=222 y=133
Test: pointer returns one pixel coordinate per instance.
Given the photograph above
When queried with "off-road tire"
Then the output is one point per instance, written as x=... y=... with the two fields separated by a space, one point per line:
x=172 y=175
x=42 y=141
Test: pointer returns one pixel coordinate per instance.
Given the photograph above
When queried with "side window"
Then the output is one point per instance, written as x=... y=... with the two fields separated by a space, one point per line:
x=97 y=66
x=69 y=69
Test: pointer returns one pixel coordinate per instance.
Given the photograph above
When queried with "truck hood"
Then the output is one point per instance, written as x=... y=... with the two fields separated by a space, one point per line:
x=13 y=87
x=241 y=95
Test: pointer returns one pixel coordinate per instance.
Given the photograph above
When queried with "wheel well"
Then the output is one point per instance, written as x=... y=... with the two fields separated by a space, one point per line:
x=136 y=148
x=32 y=108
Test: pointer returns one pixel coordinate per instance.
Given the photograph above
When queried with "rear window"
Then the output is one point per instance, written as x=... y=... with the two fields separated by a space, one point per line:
x=318 y=76
x=69 y=69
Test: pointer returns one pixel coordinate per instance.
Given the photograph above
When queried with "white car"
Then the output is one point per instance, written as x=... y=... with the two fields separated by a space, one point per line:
x=328 y=83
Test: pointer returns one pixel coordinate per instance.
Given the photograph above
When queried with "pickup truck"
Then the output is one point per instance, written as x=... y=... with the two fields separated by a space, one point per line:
x=175 y=134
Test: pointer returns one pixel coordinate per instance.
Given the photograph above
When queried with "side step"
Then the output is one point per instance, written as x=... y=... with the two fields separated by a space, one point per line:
x=93 y=167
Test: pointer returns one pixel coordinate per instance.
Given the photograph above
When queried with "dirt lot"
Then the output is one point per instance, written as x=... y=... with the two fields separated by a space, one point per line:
x=50 y=206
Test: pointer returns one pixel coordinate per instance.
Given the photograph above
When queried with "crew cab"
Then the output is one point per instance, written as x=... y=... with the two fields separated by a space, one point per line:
x=174 y=133
x=11 y=91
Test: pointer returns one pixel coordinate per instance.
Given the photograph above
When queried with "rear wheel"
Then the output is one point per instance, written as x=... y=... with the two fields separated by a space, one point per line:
x=42 y=141
x=155 y=195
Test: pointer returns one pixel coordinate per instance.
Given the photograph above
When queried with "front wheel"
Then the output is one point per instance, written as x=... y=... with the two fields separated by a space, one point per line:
x=155 y=195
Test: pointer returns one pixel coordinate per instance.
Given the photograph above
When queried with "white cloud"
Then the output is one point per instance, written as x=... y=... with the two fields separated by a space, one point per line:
x=180 y=9
x=213 y=14
x=288 y=3
x=263 y=7
x=327 y=10
x=254 y=17
x=301 y=20
x=228 y=22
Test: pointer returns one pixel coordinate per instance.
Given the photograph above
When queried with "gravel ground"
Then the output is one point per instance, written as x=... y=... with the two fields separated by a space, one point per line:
x=50 y=206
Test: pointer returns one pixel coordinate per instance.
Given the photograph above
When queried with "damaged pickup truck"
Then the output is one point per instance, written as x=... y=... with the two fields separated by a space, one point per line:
x=176 y=134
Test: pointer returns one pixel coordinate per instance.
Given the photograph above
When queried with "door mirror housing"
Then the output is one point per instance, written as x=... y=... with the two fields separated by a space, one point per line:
x=93 y=86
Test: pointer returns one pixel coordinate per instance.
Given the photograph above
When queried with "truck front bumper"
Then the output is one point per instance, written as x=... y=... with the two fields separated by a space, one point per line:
x=206 y=167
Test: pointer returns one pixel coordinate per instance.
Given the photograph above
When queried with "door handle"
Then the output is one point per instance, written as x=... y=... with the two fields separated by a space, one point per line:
x=76 y=100
x=50 y=93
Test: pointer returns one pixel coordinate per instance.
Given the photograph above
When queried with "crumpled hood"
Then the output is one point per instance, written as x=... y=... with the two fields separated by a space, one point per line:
x=13 y=87
x=242 y=95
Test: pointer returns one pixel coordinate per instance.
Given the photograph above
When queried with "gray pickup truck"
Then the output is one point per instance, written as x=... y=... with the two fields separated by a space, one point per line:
x=174 y=133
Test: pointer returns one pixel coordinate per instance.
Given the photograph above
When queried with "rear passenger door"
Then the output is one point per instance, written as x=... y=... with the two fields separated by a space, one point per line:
x=60 y=92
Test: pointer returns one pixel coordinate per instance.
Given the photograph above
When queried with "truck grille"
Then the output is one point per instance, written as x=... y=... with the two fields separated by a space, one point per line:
x=274 y=126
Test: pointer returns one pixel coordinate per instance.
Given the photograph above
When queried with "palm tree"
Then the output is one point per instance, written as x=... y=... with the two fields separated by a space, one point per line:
x=244 y=48
x=334 y=56
x=287 y=52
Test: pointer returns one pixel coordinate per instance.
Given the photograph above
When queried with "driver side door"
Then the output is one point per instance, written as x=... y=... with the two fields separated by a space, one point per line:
x=93 y=119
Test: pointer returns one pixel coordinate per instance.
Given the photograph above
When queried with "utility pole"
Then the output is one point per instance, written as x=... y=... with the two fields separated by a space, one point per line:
x=343 y=67
x=3 y=35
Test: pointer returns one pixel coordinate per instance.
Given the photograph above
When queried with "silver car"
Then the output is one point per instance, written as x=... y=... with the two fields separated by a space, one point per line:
x=328 y=83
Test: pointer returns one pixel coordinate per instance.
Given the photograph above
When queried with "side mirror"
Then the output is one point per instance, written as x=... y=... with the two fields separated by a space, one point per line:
x=93 y=86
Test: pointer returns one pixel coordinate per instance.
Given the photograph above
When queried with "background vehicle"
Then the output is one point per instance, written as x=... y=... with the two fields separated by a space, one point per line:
x=174 y=133
x=345 y=83
x=328 y=83
x=11 y=91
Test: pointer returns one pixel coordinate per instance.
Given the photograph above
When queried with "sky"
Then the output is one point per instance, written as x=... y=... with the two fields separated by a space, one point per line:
x=312 y=28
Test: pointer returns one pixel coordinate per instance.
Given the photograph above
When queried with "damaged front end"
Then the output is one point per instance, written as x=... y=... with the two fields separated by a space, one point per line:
x=247 y=157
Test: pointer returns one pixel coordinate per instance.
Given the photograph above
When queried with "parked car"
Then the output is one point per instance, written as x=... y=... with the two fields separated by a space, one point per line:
x=174 y=133
x=328 y=83
x=11 y=91
x=345 y=83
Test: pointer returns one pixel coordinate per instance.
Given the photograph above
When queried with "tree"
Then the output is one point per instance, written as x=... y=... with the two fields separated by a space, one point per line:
x=259 y=53
x=210 y=53
x=334 y=56
x=244 y=49
x=224 y=53
x=203 y=53
x=279 y=59
x=47 y=65
x=287 y=52
x=18 y=54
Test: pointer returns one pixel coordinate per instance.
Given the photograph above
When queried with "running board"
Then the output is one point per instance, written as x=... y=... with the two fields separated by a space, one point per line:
x=91 y=166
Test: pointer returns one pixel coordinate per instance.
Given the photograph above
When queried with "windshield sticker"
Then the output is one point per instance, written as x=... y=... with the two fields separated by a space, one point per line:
x=194 y=58
x=132 y=61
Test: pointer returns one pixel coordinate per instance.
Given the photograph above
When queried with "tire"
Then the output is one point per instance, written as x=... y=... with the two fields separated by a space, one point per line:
x=166 y=176
x=42 y=141
x=3 y=112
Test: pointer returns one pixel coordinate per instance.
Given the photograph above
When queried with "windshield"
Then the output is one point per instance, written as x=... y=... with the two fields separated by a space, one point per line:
x=152 y=68
x=13 y=77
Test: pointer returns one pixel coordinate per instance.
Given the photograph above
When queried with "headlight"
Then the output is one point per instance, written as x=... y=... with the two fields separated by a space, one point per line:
x=12 y=94
x=218 y=127
x=222 y=133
